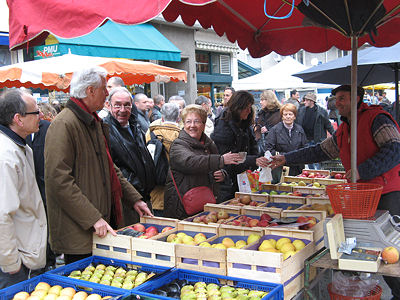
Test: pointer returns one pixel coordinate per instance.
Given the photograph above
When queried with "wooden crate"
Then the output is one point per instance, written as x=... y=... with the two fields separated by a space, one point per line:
x=229 y=203
x=254 y=196
x=309 y=190
x=327 y=181
x=333 y=173
x=277 y=187
x=317 y=229
x=120 y=246
x=287 y=199
x=297 y=179
x=230 y=209
x=275 y=213
x=236 y=230
x=270 y=267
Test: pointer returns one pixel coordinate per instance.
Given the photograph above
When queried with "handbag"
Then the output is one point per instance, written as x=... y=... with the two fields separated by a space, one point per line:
x=194 y=199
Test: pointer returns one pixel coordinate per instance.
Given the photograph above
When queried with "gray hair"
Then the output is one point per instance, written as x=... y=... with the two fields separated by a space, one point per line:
x=116 y=81
x=118 y=89
x=158 y=99
x=201 y=99
x=177 y=98
x=11 y=103
x=139 y=96
x=84 y=78
x=170 y=112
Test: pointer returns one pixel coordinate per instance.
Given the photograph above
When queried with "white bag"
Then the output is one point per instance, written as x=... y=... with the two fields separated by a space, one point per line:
x=265 y=173
x=243 y=183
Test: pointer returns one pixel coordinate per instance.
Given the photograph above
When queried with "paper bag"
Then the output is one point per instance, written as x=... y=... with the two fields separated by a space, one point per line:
x=243 y=183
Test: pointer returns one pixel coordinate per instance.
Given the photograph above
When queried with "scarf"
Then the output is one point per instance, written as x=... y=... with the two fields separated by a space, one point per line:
x=116 y=190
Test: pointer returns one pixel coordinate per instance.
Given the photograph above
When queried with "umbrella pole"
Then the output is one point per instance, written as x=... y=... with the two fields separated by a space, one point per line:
x=396 y=93
x=354 y=44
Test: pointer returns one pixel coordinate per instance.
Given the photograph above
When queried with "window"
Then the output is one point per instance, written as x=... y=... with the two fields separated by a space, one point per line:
x=225 y=64
x=299 y=56
x=341 y=53
x=202 y=62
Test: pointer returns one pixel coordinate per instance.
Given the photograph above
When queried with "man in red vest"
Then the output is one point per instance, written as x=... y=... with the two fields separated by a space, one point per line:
x=378 y=152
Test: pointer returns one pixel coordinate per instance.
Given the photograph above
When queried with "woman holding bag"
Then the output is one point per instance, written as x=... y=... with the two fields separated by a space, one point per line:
x=194 y=162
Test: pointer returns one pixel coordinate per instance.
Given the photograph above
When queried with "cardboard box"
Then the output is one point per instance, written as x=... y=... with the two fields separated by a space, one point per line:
x=358 y=261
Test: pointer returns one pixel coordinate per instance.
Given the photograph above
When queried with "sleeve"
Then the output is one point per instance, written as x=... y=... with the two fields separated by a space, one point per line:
x=312 y=154
x=270 y=143
x=183 y=159
x=61 y=187
x=129 y=194
x=10 y=260
x=327 y=123
x=387 y=137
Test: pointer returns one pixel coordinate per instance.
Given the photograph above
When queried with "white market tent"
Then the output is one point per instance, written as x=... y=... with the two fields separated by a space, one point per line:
x=278 y=77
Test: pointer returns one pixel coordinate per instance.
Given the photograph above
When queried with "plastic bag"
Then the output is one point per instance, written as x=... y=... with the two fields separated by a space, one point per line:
x=265 y=173
x=348 y=284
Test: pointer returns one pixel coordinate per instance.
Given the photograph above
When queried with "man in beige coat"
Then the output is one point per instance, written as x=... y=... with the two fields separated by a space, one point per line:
x=84 y=188
x=23 y=228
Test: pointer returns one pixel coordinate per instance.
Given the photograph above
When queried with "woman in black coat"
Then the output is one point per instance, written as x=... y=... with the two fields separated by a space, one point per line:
x=284 y=137
x=232 y=133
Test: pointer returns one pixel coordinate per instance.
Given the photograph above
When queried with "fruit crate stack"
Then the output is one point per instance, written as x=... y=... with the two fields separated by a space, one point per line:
x=124 y=245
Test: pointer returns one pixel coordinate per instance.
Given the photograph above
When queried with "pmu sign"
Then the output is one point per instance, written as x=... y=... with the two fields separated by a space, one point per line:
x=46 y=51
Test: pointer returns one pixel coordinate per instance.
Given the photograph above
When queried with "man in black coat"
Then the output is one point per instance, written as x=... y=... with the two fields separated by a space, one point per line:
x=36 y=142
x=128 y=148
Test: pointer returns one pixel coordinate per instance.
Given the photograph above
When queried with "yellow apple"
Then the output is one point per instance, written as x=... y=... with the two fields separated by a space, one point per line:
x=253 y=238
x=281 y=242
x=21 y=296
x=240 y=244
x=298 y=244
x=287 y=247
x=390 y=255
x=205 y=244
x=200 y=237
x=228 y=242
x=266 y=244
x=42 y=286
x=288 y=254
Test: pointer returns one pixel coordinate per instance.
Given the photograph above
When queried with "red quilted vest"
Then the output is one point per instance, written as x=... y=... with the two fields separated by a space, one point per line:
x=366 y=146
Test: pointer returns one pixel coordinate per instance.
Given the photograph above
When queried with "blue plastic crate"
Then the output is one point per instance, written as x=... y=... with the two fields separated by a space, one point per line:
x=29 y=286
x=283 y=205
x=64 y=271
x=144 y=292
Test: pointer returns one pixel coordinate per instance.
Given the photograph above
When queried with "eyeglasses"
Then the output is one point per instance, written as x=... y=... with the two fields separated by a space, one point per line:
x=195 y=122
x=119 y=106
x=33 y=112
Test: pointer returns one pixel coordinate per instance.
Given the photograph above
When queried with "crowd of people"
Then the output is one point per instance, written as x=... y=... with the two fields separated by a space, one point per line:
x=109 y=157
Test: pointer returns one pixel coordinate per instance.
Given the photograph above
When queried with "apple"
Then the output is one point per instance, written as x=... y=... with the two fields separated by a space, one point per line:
x=338 y=176
x=266 y=217
x=311 y=175
x=151 y=228
x=222 y=215
x=245 y=200
x=253 y=223
x=306 y=173
x=139 y=227
x=167 y=228
x=263 y=223
x=390 y=255
x=253 y=203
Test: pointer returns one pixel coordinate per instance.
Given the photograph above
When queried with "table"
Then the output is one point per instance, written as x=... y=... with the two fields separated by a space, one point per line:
x=322 y=259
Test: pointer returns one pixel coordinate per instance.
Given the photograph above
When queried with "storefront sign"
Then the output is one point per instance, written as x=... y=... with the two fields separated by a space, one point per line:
x=46 y=51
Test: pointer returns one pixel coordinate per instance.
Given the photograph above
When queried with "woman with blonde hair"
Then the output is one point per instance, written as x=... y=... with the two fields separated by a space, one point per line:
x=194 y=161
x=284 y=137
x=267 y=117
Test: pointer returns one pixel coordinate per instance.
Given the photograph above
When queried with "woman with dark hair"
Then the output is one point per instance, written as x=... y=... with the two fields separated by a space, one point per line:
x=232 y=133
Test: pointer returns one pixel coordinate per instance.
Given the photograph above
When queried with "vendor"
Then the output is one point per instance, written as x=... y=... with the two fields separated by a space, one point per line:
x=378 y=152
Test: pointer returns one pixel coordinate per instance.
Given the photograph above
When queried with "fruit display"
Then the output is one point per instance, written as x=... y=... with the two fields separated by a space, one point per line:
x=213 y=217
x=282 y=245
x=185 y=290
x=189 y=238
x=311 y=174
x=244 y=200
x=43 y=291
x=112 y=276
x=315 y=184
x=311 y=221
x=235 y=242
x=321 y=207
x=251 y=221
x=285 y=206
x=141 y=231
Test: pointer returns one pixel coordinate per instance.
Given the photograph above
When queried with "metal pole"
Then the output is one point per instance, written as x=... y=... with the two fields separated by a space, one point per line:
x=354 y=45
x=396 y=94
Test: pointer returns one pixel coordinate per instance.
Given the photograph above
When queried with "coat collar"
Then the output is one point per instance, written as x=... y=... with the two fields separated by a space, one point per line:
x=13 y=136
x=82 y=115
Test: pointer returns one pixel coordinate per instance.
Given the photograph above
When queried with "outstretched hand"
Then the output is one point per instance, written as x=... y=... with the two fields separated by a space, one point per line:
x=231 y=158
x=277 y=161
x=142 y=209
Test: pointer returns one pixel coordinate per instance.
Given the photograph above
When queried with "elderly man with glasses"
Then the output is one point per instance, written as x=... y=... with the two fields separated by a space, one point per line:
x=23 y=224
x=128 y=148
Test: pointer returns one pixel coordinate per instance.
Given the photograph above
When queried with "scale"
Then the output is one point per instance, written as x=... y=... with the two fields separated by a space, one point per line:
x=380 y=231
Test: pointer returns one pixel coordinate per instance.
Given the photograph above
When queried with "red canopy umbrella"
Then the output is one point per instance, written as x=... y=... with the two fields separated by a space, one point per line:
x=261 y=26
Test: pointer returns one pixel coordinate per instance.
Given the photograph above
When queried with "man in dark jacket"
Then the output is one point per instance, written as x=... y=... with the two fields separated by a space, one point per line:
x=128 y=148
x=315 y=122
x=141 y=102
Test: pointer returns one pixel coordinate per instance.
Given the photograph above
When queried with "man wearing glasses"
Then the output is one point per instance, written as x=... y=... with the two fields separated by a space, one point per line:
x=23 y=226
x=128 y=148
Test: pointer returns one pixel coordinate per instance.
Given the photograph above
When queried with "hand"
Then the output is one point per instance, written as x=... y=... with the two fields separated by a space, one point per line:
x=231 y=158
x=142 y=208
x=219 y=176
x=277 y=161
x=101 y=228
x=348 y=175
x=264 y=129
x=262 y=162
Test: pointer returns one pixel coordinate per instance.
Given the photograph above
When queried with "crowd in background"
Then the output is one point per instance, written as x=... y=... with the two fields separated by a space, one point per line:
x=107 y=157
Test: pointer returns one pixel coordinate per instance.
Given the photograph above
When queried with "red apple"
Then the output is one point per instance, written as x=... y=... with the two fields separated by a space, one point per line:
x=139 y=227
x=253 y=203
x=263 y=223
x=311 y=175
x=390 y=255
x=311 y=221
x=265 y=217
x=338 y=176
x=151 y=228
x=301 y=219
x=253 y=223
x=166 y=229
x=306 y=173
